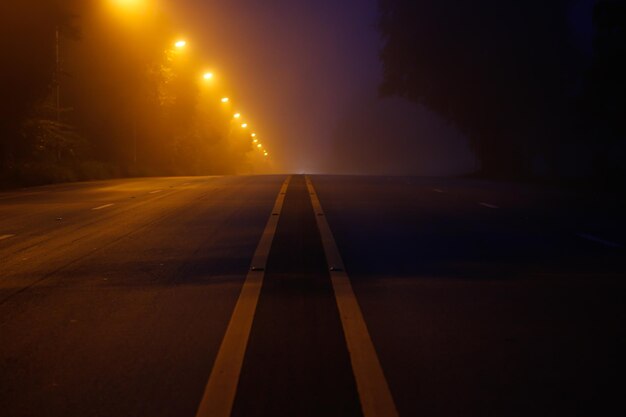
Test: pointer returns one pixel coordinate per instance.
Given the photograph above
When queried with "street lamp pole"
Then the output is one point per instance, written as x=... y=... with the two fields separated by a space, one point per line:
x=135 y=137
x=57 y=75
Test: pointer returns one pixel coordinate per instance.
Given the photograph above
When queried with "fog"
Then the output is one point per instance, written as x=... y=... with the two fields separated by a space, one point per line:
x=197 y=87
x=309 y=72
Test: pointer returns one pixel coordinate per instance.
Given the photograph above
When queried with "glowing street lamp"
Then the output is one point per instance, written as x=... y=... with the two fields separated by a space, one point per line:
x=225 y=100
x=245 y=125
x=253 y=135
x=128 y=4
x=255 y=141
x=180 y=44
x=259 y=146
x=237 y=115
x=208 y=76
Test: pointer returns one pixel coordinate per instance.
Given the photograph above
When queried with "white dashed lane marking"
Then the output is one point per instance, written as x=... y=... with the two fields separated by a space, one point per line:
x=491 y=206
x=437 y=190
x=155 y=191
x=4 y=237
x=102 y=207
x=600 y=241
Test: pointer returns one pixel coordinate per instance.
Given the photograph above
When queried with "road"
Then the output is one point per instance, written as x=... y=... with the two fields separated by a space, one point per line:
x=342 y=296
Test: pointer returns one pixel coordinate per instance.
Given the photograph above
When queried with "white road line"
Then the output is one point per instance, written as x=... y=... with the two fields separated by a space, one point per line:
x=437 y=190
x=491 y=206
x=155 y=191
x=102 y=207
x=4 y=237
x=221 y=388
x=601 y=241
x=376 y=399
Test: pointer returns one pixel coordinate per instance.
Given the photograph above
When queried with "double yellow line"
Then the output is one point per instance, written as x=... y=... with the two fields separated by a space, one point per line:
x=220 y=391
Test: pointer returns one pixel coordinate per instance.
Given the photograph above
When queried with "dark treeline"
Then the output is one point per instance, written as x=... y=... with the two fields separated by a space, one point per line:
x=510 y=76
x=117 y=100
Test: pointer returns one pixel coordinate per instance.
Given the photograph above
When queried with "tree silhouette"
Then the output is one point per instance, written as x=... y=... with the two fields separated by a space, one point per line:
x=500 y=71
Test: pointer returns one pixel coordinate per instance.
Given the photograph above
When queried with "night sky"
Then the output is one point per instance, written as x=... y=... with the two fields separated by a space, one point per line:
x=307 y=72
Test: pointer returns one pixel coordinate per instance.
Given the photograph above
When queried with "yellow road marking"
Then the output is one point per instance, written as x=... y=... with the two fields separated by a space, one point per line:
x=374 y=393
x=3 y=237
x=221 y=388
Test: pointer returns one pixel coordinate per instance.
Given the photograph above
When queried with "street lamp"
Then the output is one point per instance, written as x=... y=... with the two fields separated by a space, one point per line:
x=180 y=44
x=253 y=135
x=225 y=100
x=129 y=6
x=237 y=115
x=245 y=125
x=127 y=3
x=208 y=76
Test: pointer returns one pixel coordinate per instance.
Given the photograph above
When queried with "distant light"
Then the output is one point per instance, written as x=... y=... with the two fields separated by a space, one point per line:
x=180 y=44
x=259 y=146
x=244 y=125
x=225 y=100
x=208 y=75
x=253 y=135
x=256 y=141
x=237 y=115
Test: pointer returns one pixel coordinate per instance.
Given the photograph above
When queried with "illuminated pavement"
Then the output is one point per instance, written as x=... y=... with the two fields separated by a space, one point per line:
x=480 y=298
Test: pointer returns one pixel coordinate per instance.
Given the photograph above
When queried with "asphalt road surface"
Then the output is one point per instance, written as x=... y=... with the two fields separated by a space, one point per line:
x=342 y=296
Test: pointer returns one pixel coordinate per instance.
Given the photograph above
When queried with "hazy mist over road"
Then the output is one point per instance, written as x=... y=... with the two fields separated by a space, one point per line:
x=310 y=72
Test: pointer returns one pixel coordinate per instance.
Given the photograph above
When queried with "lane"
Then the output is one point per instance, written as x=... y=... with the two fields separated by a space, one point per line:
x=34 y=210
x=376 y=399
x=61 y=229
x=297 y=362
x=480 y=312
x=573 y=210
x=132 y=328
x=39 y=216
x=219 y=393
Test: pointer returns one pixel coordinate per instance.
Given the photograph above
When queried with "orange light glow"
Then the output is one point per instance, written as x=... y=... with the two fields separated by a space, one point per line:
x=253 y=135
x=256 y=141
x=225 y=100
x=259 y=146
x=180 y=44
x=237 y=115
x=128 y=10
x=245 y=125
x=128 y=3
x=208 y=75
